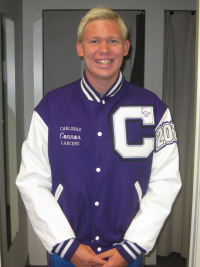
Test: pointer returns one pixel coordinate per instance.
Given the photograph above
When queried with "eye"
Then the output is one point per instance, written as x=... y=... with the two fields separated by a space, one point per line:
x=94 y=42
x=113 y=41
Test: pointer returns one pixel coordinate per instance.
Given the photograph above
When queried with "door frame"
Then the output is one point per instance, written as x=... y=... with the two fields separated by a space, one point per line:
x=2 y=192
x=194 y=255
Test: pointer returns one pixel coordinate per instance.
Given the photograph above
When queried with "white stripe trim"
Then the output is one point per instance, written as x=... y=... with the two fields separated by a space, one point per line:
x=139 y=190
x=85 y=92
x=115 y=244
x=66 y=248
x=90 y=90
x=116 y=91
x=116 y=85
x=58 y=247
x=134 y=247
x=129 y=251
x=58 y=191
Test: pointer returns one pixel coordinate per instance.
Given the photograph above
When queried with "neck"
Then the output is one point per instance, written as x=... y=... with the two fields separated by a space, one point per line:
x=102 y=85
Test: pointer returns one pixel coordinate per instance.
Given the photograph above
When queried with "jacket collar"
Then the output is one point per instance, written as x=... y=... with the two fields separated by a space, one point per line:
x=93 y=95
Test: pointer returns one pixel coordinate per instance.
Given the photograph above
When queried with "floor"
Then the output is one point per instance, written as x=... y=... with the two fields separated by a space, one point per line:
x=174 y=260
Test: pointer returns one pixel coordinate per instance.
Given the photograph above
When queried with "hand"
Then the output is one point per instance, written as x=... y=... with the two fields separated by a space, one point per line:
x=114 y=258
x=85 y=256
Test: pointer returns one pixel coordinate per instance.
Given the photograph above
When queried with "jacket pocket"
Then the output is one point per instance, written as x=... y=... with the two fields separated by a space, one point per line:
x=139 y=190
x=58 y=191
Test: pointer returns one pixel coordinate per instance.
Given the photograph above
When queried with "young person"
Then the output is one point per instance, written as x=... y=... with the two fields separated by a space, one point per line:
x=100 y=166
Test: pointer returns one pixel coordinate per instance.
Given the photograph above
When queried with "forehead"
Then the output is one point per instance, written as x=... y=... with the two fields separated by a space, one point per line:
x=102 y=27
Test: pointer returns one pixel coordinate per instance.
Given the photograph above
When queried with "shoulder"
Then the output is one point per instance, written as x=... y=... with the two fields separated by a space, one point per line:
x=63 y=91
x=56 y=98
x=141 y=92
x=143 y=97
x=60 y=94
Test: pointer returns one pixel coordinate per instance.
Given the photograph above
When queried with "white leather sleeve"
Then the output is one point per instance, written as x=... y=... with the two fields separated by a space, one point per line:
x=34 y=183
x=156 y=204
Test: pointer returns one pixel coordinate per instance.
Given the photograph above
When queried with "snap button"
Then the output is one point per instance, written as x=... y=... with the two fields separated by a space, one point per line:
x=98 y=169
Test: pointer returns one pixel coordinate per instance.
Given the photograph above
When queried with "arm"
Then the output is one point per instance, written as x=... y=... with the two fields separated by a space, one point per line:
x=156 y=204
x=34 y=183
x=163 y=188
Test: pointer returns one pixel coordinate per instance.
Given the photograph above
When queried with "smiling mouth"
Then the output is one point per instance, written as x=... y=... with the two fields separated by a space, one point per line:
x=104 y=61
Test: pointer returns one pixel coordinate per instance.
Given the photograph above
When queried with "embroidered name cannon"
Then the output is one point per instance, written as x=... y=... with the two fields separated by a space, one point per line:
x=69 y=136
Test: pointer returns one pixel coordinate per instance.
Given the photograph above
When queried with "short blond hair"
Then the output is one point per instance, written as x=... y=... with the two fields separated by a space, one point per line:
x=100 y=13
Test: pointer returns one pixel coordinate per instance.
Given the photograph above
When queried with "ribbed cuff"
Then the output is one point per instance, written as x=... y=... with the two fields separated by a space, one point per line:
x=129 y=251
x=66 y=249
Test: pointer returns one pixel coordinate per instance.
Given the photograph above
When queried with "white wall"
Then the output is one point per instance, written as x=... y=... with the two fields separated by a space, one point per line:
x=154 y=10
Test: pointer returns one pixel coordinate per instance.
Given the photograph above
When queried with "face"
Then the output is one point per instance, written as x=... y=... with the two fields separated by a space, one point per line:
x=103 y=50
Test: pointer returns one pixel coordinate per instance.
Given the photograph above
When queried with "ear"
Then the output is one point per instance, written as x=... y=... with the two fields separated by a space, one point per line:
x=79 y=49
x=126 y=47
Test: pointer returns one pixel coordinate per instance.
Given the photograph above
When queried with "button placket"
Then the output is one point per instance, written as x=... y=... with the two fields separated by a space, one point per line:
x=98 y=170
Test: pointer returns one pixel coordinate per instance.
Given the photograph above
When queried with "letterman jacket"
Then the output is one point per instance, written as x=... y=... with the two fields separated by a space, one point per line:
x=99 y=171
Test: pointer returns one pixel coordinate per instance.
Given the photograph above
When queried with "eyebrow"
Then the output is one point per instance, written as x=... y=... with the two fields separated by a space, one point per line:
x=110 y=37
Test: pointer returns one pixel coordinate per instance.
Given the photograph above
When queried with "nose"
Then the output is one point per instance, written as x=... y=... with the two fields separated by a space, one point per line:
x=104 y=47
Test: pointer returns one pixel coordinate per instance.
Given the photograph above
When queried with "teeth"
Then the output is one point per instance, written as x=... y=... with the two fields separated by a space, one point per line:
x=104 y=61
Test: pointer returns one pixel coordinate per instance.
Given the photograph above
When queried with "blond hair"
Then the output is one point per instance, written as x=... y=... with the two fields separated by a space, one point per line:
x=100 y=13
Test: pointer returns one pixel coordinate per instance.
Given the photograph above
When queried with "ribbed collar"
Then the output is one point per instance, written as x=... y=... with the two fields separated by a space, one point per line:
x=93 y=95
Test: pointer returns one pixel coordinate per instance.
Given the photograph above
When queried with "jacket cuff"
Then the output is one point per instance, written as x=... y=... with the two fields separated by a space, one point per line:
x=66 y=249
x=129 y=251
